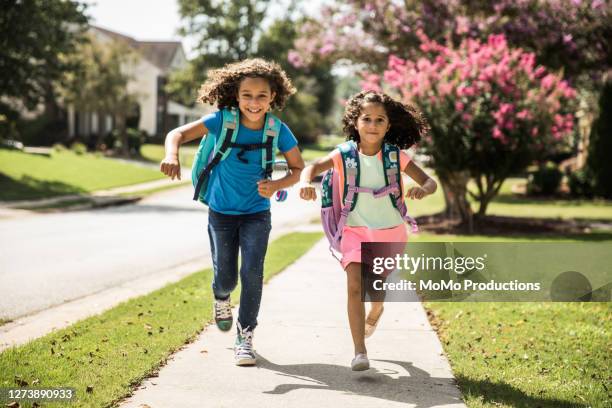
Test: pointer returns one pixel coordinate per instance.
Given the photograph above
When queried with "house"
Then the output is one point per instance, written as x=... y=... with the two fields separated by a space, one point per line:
x=157 y=113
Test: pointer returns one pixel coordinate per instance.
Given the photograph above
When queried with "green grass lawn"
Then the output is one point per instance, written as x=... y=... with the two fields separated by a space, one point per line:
x=528 y=354
x=546 y=355
x=28 y=176
x=312 y=152
x=507 y=204
x=117 y=349
x=155 y=153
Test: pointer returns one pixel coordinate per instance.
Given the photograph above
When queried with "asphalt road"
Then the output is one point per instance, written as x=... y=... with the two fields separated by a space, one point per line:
x=46 y=260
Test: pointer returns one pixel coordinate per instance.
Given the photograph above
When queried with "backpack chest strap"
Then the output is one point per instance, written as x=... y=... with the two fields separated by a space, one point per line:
x=379 y=192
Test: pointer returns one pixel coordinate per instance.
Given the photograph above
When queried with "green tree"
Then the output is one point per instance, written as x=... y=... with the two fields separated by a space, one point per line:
x=224 y=30
x=600 y=145
x=228 y=31
x=34 y=35
x=306 y=110
x=101 y=83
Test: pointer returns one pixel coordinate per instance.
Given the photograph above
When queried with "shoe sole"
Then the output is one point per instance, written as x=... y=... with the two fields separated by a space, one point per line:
x=246 y=362
x=361 y=367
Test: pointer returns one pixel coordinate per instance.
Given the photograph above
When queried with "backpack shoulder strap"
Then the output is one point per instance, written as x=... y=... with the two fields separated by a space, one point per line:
x=229 y=132
x=350 y=167
x=222 y=148
x=271 y=132
x=393 y=175
x=392 y=171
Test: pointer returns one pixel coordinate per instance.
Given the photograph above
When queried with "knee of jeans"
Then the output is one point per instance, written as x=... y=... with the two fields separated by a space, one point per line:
x=224 y=285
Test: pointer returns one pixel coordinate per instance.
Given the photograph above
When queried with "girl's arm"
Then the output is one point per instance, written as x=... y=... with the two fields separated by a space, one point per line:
x=295 y=163
x=426 y=183
x=170 y=165
x=307 y=190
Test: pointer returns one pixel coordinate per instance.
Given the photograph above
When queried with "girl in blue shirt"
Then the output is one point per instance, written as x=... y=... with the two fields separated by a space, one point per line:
x=238 y=195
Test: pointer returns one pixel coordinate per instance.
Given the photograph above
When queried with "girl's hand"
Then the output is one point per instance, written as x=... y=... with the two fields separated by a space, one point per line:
x=266 y=188
x=171 y=167
x=307 y=191
x=416 y=193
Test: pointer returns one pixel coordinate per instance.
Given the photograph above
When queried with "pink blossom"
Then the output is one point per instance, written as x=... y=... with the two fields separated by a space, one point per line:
x=396 y=62
x=462 y=25
x=548 y=81
x=445 y=88
x=595 y=4
x=524 y=114
x=497 y=134
x=295 y=59
x=466 y=117
x=497 y=80
x=506 y=108
x=539 y=71
x=326 y=49
x=371 y=82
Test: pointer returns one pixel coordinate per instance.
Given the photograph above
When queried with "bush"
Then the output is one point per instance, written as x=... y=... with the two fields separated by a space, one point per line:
x=581 y=183
x=545 y=180
x=58 y=148
x=109 y=141
x=43 y=130
x=78 y=148
x=135 y=139
x=8 y=130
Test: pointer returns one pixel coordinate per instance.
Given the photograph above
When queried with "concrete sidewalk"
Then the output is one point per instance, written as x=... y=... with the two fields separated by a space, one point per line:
x=304 y=351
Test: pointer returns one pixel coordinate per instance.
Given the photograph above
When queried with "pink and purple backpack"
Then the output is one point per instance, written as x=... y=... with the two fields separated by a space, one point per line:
x=335 y=213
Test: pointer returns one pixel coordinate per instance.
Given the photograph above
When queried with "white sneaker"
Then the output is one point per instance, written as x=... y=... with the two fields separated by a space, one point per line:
x=360 y=362
x=244 y=355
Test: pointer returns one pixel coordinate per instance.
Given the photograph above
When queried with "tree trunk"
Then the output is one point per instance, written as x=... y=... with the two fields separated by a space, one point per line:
x=454 y=185
x=487 y=194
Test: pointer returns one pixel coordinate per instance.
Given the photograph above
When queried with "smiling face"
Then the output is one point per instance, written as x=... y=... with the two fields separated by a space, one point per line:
x=254 y=99
x=372 y=123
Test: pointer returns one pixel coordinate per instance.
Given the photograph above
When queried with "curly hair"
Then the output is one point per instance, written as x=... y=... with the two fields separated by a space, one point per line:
x=407 y=124
x=221 y=86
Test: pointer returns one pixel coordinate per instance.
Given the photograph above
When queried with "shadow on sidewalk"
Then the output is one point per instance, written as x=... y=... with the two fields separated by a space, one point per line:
x=419 y=388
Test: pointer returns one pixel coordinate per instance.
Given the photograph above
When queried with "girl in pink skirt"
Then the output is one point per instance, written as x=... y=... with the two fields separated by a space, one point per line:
x=376 y=127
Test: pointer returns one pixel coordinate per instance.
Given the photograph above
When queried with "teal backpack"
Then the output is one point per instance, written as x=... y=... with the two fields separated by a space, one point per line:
x=213 y=150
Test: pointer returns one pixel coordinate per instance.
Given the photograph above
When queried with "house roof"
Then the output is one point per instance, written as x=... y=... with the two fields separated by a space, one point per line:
x=159 y=53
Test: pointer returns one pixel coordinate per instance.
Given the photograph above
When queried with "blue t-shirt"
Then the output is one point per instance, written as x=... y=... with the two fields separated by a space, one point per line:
x=232 y=186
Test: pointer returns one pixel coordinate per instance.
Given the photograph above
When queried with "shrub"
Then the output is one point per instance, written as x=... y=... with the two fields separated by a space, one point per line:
x=78 y=148
x=545 y=180
x=581 y=183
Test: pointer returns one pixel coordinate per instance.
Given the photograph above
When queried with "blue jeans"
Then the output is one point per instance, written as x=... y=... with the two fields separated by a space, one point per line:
x=228 y=234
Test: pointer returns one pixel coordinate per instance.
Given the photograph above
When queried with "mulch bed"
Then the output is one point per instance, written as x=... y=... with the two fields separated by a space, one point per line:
x=500 y=225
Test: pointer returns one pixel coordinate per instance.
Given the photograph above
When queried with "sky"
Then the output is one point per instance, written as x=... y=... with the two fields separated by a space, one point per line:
x=149 y=19
x=140 y=19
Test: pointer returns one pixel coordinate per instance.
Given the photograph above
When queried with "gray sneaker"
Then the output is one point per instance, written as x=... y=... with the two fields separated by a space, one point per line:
x=244 y=355
x=222 y=310
x=360 y=362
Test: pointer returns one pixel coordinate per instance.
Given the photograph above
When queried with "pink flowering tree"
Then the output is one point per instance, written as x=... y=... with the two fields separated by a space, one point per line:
x=569 y=34
x=491 y=109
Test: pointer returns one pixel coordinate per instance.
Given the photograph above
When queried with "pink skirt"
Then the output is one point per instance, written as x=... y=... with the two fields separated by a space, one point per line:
x=352 y=237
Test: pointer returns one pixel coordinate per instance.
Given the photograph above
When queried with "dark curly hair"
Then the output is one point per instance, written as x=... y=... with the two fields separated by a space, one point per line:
x=407 y=124
x=221 y=86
